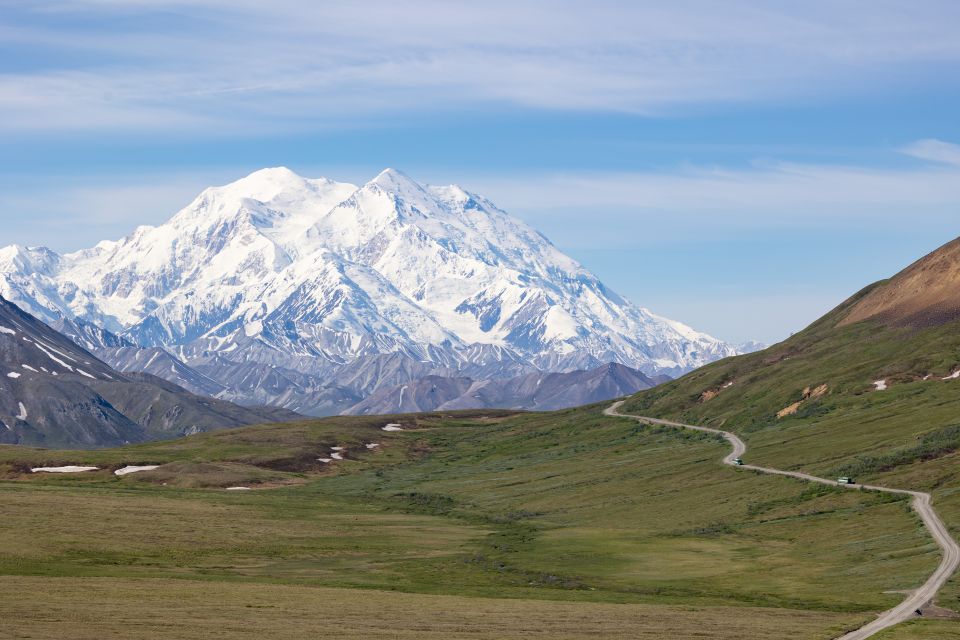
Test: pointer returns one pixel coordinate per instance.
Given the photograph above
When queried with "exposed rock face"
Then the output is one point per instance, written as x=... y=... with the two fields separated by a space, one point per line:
x=540 y=391
x=54 y=393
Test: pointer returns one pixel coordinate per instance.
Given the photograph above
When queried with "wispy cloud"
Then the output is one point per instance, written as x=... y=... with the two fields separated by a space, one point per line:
x=638 y=207
x=251 y=66
x=934 y=151
x=624 y=208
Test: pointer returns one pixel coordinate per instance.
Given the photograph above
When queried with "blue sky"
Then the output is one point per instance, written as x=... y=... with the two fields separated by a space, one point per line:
x=740 y=168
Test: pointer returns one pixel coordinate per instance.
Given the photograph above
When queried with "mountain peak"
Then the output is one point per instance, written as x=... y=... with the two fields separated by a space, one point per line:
x=396 y=181
x=265 y=184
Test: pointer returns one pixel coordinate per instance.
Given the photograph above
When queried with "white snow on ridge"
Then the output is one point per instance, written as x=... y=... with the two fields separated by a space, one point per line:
x=53 y=357
x=4 y=329
x=13 y=374
x=23 y=412
x=66 y=469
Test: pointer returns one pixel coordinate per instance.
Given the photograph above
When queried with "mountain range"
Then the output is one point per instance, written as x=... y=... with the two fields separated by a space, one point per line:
x=54 y=393
x=316 y=295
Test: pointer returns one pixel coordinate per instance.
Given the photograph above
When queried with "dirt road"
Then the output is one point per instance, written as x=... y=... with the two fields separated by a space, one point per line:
x=921 y=503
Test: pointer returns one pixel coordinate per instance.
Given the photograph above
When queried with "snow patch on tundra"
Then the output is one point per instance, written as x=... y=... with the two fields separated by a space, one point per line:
x=66 y=469
x=130 y=468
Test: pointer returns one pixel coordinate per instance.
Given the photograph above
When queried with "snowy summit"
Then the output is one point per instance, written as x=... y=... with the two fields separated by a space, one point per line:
x=313 y=275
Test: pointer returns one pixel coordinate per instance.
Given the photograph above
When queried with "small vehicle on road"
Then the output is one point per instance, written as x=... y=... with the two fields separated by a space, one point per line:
x=737 y=461
x=846 y=480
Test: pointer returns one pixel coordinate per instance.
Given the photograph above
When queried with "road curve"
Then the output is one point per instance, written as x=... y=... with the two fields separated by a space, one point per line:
x=921 y=503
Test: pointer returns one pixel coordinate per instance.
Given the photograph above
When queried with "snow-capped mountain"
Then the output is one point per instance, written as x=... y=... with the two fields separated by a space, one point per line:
x=315 y=276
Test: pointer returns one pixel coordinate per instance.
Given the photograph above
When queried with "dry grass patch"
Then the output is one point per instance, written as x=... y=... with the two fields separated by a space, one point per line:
x=97 y=608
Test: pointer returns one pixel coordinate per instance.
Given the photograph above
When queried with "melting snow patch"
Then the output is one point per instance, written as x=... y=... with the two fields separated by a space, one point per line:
x=130 y=468
x=11 y=332
x=238 y=488
x=67 y=469
x=29 y=368
x=324 y=460
x=337 y=448
x=881 y=385
x=23 y=412
x=373 y=445
x=336 y=455
x=84 y=373
x=13 y=374
x=953 y=376
x=393 y=426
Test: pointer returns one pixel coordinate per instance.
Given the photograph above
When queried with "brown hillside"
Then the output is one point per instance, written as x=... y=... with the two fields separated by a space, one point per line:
x=927 y=293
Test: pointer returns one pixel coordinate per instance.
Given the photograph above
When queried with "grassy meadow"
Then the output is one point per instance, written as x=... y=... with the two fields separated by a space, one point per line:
x=484 y=524
x=906 y=435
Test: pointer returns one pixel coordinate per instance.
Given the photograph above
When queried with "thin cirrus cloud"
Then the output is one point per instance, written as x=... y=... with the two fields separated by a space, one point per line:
x=934 y=151
x=630 y=208
x=242 y=66
x=662 y=206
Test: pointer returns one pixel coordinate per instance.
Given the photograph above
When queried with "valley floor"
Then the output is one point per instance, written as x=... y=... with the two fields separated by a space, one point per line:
x=563 y=525
x=97 y=608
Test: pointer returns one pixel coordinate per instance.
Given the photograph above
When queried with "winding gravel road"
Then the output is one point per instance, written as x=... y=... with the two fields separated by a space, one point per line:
x=921 y=503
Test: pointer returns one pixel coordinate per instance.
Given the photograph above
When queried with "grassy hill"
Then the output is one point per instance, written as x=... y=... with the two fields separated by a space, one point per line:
x=868 y=390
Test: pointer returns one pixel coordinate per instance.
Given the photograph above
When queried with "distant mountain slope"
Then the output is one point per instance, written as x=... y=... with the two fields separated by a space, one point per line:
x=872 y=387
x=897 y=331
x=315 y=276
x=54 y=393
x=537 y=391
